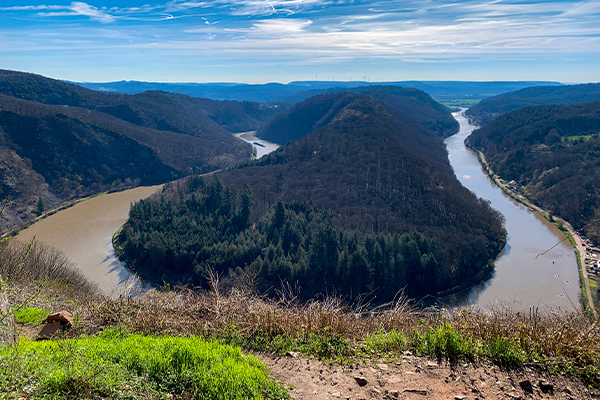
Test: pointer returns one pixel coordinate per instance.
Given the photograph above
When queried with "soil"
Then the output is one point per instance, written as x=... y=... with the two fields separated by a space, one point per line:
x=417 y=378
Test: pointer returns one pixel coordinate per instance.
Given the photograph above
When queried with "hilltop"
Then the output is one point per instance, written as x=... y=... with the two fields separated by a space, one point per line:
x=60 y=141
x=488 y=109
x=316 y=112
x=367 y=202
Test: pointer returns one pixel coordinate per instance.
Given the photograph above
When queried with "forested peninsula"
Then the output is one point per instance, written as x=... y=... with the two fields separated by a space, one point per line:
x=364 y=201
x=553 y=155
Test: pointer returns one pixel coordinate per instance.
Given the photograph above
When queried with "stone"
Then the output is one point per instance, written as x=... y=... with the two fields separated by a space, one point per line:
x=526 y=386
x=422 y=392
x=54 y=323
x=292 y=354
x=49 y=330
x=459 y=397
x=361 y=380
x=383 y=367
x=394 y=393
x=65 y=318
x=546 y=387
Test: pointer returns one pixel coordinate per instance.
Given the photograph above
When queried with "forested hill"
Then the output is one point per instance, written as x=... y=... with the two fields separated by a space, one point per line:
x=488 y=109
x=318 y=111
x=554 y=151
x=154 y=109
x=59 y=141
x=368 y=202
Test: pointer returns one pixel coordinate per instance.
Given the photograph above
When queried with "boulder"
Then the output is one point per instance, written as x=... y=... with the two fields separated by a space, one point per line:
x=54 y=323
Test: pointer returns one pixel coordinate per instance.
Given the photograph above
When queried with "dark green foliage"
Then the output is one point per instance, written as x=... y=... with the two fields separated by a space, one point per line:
x=40 y=206
x=294 y=242
x=490 y=108
x=554 y=151
x=368 y=203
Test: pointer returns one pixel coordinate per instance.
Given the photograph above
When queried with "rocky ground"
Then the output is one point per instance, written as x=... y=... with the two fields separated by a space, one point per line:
x=417 y=378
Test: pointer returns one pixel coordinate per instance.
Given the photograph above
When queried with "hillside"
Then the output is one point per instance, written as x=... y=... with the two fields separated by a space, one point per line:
x=366 y=203
x=488 y=109
x=154 y=109
x=554 y=153
x=60 y=142
x=316 y=112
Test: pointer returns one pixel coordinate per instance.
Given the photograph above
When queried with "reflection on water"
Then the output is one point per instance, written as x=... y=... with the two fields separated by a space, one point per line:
x=262 y=147
x=523 y=276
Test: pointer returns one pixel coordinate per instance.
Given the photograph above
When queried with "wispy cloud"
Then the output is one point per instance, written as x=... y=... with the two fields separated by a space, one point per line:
x=312 y=31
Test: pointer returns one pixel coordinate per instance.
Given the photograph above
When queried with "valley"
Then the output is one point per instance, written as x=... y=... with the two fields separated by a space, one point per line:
x=520 y=279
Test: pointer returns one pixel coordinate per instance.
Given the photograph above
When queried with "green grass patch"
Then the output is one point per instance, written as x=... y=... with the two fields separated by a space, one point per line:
x=30 y=315
x=576 y=139
x=126 y=366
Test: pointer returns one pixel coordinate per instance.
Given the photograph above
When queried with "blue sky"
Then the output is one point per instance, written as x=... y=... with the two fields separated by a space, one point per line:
x=259 y=41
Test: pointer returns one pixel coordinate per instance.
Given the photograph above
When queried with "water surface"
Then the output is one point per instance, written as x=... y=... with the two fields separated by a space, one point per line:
x=523 y=277
x=84 y=233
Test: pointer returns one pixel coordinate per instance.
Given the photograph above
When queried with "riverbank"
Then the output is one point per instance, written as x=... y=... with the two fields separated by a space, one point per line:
x=564 y=226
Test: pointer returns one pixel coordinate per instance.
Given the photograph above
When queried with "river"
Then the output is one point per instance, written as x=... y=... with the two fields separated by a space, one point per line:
x=522 y=279
x=84 y=232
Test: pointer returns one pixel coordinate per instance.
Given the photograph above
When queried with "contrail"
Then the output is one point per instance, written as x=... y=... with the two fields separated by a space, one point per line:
x=271 y=4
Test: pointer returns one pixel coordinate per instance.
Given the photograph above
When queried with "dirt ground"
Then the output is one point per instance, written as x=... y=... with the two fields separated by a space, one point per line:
x=417 y=378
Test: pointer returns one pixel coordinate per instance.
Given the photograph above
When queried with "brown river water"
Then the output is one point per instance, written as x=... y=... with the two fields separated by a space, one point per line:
x=84 y=232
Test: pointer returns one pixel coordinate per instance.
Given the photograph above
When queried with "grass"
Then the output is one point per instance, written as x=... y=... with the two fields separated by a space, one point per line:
x=30 y=315
x=117 y=365
x=327 y=329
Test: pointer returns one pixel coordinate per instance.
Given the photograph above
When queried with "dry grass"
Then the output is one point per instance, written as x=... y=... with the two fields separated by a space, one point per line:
x=327 y=328
x=39 y=264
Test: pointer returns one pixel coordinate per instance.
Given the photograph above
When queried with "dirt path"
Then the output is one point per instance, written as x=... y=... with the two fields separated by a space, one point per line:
x=417 y=378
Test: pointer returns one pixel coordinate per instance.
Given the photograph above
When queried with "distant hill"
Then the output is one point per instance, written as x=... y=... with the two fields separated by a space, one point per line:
x=365 y=202
x=490 y=108
x=297 y=91
x=60 y=141
x=554 y=151
x=318 y=111
x=158 y=110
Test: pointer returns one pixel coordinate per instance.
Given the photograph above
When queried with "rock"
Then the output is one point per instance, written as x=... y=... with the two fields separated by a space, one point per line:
x=431 y=364
x=383 y=367
x=568 y=390
x=361 y=380
x=55 y=323
x=526 y=386
x=49 y=330
x=65 y=318
x=547 y=387
x=422 y=392
x=292 y=354
x=394 y=393
x=459 y=397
